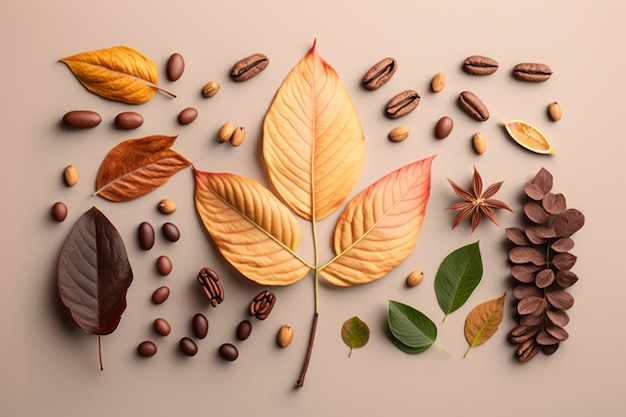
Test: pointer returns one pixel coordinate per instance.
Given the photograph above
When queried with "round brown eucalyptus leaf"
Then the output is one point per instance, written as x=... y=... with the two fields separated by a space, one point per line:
x=543 y=180
x=525 y=254
x=566 y=279
x=531 y=320
x=560 y=300
x=564 y=261
x=544 y=338
x=563 y=244
x=554 y=203
x=524 y=273
x=536 y=213
x=558 y=317
x=531 y=305
x=522 y=291
x=568 y=223
x=517 y=236
x=534 y=191
x=545 y=278
x=550 y=349
x=557 y=332
x=539 y=234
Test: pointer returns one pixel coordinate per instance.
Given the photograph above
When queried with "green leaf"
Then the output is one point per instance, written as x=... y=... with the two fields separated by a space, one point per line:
x=355 y=333
x=457 y=277
x=412 y=331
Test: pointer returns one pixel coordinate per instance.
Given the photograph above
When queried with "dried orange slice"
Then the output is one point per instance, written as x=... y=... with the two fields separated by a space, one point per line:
x=528 y=136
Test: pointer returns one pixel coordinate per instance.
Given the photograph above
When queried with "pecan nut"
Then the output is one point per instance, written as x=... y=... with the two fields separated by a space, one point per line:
x=262 y=305
x=209 y=281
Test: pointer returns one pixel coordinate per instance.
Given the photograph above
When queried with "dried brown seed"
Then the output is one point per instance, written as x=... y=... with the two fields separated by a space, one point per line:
x=249 y=67
x=438 y=82
x=166 y=206
x=226 y=132
x=415 y=278
x=238 y=136
x=528 y=350
x=210 y=89
x=480 y=65
x=479 y=143
x=532 y=71
x=285 y=336
x=555 y=111
x=473 y=106
x=70 y=175
x=402 y=104
x=380 y=73
x=398 y=134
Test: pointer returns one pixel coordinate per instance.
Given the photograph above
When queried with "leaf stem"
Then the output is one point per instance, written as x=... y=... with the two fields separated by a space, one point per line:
x=100 y=353
x=441 y=349
x=300 y=382
x=166 y=92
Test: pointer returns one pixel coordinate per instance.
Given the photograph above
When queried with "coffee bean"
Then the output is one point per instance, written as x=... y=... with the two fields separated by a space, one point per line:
x=162 y=327
x=200 y=325
x=164 y=265
x=249 y=67
x=59 y=211
x=187 y=115
x=82 y=119
x=188 y=346
x=402 y=104
x=175 y=67
x=147 y=349
x=229 y=351
x=473 y=106
x=244 y=329
x=532 y=71
x=480 y=65
x=160 y=295
x=146 y=235
x=380 y=73
x=444 y=127
x=128 y=120
x=170 y=231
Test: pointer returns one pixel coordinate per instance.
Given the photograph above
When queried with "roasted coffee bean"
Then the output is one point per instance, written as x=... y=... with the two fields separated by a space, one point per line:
x=443 y=128
x=200 y=325
x=147 y=349
x=402 y=104
x=473 y=106
x=380 y=73
x=480 y=65
x=128 y=120
x=82 y=119
x=160 y=295
x=187 y=115
x=170 y=231
x=162 y=327
x=244 y=329
x=175 y=67
x=164 y=265
x=188 y=346
x=59 y=211
x=249 y=67
x=532 y=71
x=229 y=351
x=146 y=236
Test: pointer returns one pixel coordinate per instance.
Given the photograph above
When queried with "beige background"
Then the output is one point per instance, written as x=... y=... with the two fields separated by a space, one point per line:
x=49 y=366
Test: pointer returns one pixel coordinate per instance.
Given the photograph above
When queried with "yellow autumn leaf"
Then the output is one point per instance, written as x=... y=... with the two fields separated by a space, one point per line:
x=252 y=229
x=313 y=143
x=119 y=73
x=483 y=322
x=380 y=226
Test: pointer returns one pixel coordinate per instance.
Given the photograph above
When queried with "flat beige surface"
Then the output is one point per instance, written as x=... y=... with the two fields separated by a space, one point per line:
x=49 y=366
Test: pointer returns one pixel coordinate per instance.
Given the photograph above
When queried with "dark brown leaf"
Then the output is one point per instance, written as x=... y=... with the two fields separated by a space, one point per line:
x=560 y=300
x=543 y=180
x=550 y=349
x=566 y=279
x=536 y=213
x=559 y=333
x=564 y=261
x=554 y=203
x=545 y=278
x=517 y=236
x=524 y=273
x=523 y=291
x=558 y=317
x=531 y=305
x=544 y=338
x=568 y=223
x=135 y=167
x=564 y=244
x=530 y=321
x=539 y=234
x=526 y=254
x=534 y=191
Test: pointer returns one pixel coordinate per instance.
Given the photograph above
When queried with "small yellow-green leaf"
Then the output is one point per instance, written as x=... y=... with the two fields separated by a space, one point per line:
x=483 y=321
x=355 y=333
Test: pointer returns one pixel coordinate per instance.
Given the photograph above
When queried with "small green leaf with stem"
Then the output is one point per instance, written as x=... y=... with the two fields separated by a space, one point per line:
x=355 y=333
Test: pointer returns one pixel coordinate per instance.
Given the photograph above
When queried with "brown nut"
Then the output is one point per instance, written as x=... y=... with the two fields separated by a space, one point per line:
x=238 y=136
x=210 y=89
x=285 y=336
x=249 y=67
x=555 y=111
x=70 y=175
x=226 y=132
x=415 y=278
x=398 y=134
x=175 y=66
x=479 y=143
x=438 y=82
x=166 y=206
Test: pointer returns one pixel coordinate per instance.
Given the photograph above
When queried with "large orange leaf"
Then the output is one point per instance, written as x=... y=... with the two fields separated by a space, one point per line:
x=313 y=144
x=379 y=227
x=252 y=229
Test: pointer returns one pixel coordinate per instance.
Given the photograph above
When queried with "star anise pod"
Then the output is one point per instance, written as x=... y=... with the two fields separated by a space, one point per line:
x=476 y=203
